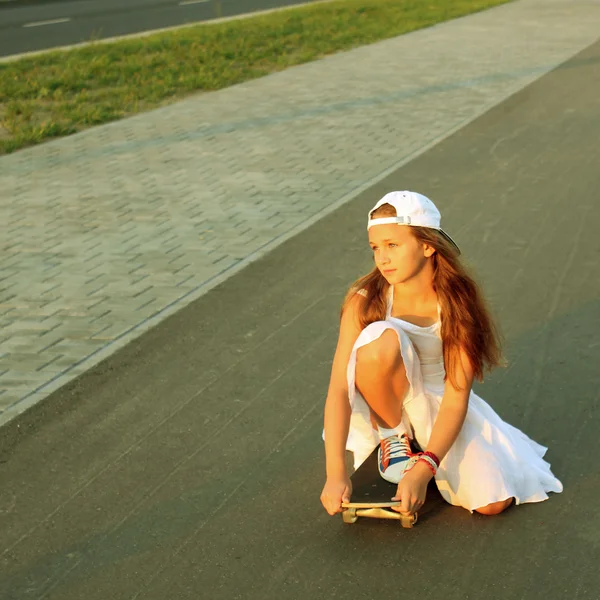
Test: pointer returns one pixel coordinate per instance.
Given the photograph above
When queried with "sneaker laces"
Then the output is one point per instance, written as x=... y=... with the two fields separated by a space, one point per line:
x=395 y=447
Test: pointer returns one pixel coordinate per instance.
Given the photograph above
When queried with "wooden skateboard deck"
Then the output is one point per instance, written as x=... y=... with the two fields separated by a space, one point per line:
x=371 y=496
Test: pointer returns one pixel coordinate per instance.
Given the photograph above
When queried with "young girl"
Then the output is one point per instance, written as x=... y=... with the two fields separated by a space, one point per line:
x=414 y=335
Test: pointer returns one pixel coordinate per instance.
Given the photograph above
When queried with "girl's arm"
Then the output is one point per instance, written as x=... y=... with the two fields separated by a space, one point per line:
x=451 y=416
x=337 y=411
x=453 y=409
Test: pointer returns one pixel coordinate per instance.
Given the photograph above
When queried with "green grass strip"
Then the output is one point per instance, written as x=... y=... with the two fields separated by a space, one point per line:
x=59 y=93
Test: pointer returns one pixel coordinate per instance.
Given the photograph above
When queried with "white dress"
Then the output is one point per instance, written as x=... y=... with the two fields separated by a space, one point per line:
x=490 y=460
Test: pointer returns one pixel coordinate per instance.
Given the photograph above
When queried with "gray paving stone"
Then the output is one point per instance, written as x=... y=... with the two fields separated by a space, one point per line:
x=107 y=232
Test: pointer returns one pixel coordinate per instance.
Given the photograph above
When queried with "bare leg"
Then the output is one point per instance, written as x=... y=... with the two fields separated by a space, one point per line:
x=381 y=378
x=495 y=508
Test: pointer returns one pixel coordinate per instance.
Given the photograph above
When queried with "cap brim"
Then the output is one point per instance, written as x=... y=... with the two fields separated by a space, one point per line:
x=449 y=239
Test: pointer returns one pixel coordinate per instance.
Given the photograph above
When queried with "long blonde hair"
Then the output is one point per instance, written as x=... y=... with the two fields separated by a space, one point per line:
x=466 y=322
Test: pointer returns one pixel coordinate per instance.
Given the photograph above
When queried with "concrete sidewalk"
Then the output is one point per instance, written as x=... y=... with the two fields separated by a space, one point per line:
x=107 y=232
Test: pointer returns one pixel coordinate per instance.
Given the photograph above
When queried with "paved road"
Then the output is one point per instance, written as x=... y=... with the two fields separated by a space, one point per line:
x=38 y=24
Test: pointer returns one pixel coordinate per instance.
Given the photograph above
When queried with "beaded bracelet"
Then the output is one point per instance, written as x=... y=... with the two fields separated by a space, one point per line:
x=429 y=462
x=418 y=457
x=435 y=459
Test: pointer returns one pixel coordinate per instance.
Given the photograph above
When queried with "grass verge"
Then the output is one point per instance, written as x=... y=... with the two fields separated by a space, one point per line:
x=62 y=92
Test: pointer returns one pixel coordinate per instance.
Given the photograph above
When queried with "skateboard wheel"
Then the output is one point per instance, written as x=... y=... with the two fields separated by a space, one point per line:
x=349 y=515
x=408 y=522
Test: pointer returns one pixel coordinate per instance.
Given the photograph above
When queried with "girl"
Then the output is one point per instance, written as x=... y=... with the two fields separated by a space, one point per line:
x=414 y=334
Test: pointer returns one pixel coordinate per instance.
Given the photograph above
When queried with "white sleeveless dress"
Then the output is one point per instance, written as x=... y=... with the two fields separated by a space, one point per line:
x=490 y=460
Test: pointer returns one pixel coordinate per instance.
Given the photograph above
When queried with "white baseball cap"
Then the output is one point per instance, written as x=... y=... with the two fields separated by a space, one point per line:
x=412 y=209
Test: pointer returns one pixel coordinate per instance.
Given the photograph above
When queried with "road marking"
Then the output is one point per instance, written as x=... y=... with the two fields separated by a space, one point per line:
x=52 y=22
x=185 y=2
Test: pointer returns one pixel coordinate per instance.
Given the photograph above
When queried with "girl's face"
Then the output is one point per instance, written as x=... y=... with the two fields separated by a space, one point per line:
x=398 y=255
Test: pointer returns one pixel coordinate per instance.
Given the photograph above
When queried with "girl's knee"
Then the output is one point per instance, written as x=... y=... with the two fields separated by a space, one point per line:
x=385 y=350
x=495 y=508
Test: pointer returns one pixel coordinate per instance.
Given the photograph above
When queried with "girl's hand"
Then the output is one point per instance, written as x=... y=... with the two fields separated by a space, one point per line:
x=334 y=493
x=412 y=489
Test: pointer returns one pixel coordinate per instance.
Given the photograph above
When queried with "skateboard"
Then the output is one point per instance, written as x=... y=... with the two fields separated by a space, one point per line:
x=371 y=496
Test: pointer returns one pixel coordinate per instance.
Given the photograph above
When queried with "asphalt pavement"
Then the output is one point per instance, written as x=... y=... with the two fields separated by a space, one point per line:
x=29 y=25
x=189 y=463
